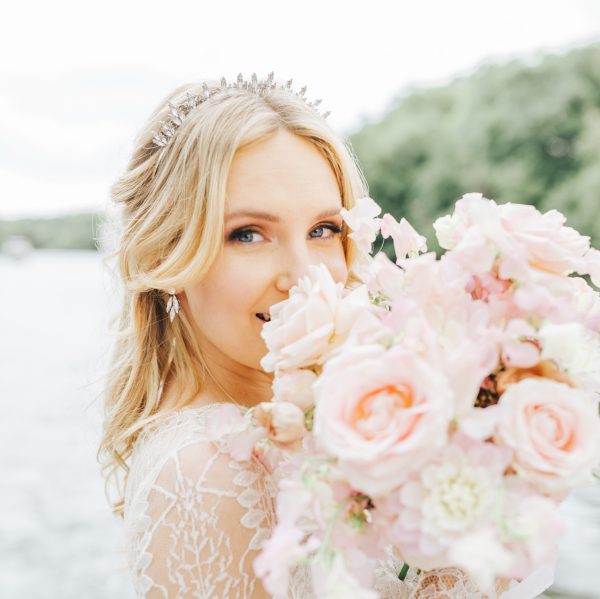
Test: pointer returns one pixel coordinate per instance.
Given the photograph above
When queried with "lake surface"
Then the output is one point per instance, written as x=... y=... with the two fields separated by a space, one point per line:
x=58 y=538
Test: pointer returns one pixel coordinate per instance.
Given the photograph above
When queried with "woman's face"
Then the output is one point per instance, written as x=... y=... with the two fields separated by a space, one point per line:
x=281 y=215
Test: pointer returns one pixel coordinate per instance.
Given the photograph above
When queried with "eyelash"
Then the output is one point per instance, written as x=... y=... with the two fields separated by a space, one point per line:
x=234 y=235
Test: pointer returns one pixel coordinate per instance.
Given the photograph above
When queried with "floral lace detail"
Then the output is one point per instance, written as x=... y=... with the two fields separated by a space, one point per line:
x=195 y=520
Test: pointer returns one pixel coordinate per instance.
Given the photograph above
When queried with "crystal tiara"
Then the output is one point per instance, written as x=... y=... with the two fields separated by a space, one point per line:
x=179 y=112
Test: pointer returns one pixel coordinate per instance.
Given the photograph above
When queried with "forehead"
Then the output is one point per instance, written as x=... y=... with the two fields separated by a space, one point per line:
x=281 y=173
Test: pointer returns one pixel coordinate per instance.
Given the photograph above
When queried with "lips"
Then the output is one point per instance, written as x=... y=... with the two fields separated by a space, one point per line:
x=264 y=316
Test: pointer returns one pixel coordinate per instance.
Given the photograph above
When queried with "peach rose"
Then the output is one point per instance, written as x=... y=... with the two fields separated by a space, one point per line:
x=554 y=431
x=382 y=413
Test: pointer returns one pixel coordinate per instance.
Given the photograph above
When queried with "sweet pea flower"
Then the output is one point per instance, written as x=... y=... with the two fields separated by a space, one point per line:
x=226 y=424
x=406 y=240
x=363 y=221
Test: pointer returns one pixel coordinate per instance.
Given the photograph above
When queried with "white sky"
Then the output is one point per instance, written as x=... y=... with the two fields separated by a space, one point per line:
x=77 y=80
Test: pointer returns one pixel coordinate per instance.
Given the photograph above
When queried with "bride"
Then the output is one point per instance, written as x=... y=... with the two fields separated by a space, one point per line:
x=232 y=191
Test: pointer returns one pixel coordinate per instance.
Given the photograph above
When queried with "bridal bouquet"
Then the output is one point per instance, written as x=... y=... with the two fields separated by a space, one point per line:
x=444 y=407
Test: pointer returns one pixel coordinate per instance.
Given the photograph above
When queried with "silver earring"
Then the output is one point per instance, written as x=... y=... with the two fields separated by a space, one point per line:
x=172 y=304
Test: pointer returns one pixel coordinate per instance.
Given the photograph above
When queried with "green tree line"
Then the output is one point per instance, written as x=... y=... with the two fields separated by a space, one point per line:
x=514 y=132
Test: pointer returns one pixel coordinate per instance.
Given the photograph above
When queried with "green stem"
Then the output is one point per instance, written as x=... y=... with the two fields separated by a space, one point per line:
x=403 y=571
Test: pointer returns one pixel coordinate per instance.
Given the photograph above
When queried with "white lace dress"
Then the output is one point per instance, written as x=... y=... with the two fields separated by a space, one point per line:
x=195 y=519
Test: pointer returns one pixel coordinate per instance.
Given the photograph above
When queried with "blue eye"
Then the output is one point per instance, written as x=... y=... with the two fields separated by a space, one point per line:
x=240 y=234
x=331 y=226
x=244 y=235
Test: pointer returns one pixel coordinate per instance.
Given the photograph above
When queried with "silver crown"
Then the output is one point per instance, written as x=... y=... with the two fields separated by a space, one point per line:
x=177 y=113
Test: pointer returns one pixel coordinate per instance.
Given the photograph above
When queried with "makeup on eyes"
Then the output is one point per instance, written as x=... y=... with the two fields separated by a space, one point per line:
x=237 y=233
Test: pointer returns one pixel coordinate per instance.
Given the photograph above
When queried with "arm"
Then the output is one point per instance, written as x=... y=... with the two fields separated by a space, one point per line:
x=208 y=515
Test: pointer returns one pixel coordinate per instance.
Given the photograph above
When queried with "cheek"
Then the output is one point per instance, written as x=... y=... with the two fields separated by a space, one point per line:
x=222 y=304
x=336 y=264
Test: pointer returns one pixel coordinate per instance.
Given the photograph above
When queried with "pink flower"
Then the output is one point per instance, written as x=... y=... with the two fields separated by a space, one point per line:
x=547 y=244
x=520 y=346
x=406 y=240
x=283 y=421
x=363 y=222
x=301 y=326
x=226 y=424
x=382 y=413
x=295 y=386
x=288 y=543
x=315 y=320
x=532 y=526
x=554 y=431
x=526 y=244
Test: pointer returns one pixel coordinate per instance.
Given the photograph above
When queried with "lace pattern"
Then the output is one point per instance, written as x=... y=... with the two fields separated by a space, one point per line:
x=195 y=520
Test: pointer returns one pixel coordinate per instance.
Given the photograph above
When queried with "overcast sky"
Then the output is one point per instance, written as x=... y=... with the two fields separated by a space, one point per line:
x=77 y=80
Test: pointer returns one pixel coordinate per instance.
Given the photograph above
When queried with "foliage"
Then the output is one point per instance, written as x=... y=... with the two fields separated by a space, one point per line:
x=73 y=231
x=514 y=132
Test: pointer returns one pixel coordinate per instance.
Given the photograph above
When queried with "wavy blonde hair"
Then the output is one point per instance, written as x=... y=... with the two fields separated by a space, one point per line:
x=171 y=202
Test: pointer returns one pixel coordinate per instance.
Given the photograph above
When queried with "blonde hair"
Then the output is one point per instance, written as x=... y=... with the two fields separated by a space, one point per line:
x=172 y=201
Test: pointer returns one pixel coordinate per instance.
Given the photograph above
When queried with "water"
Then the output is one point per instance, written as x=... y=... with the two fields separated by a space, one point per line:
x=58 y=537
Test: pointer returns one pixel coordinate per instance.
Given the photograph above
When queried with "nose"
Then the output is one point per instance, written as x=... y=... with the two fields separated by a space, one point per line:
x=293 y=264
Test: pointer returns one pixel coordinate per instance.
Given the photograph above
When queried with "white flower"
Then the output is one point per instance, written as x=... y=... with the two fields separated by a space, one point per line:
x=454 y=495
x=576 y=349
x=457 y=493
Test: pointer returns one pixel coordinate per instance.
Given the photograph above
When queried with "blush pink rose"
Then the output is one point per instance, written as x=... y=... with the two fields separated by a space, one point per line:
x=554 y=431
x=547 y=243
x=301 y=326
x=381 y=413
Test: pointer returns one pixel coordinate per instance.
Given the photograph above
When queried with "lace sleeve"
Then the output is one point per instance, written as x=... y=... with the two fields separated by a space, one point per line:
x=203 y=522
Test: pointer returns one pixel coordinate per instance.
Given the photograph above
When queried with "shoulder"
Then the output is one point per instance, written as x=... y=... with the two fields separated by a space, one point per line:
x=198 y=516
x=188 y=443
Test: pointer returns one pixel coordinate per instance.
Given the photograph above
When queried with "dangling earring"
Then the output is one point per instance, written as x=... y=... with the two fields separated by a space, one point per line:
x=172 y=304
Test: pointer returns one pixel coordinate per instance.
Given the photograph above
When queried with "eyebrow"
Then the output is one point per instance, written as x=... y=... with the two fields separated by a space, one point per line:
x=275 y=219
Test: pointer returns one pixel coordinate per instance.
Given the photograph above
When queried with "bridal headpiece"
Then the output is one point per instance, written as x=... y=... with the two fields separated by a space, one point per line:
x=178 y=112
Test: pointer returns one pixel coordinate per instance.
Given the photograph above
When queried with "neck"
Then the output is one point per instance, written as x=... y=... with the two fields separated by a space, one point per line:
x=232 y=382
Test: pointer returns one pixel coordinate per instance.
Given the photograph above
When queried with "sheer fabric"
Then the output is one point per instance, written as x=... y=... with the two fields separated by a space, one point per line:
x=195 y=519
